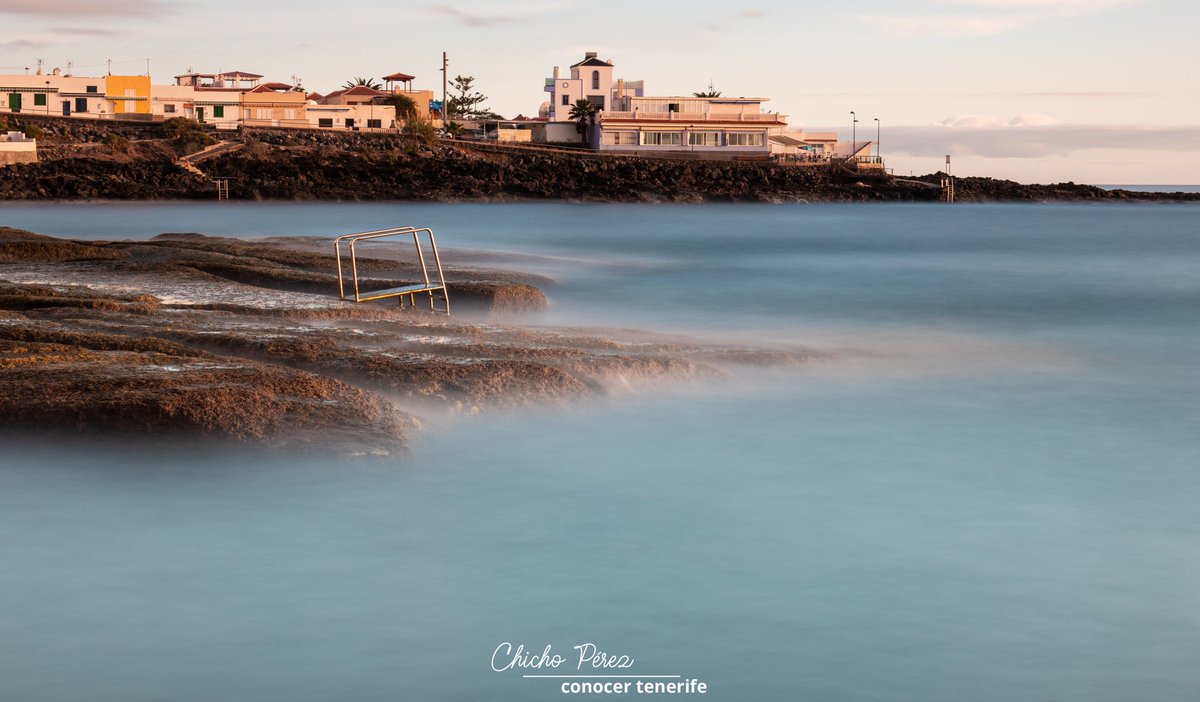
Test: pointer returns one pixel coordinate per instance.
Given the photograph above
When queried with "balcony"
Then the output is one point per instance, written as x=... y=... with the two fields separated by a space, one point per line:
x=692 y=117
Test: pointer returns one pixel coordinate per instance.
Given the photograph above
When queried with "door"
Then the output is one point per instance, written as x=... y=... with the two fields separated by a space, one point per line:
x=200 y=115
x=14 y=102
x=66 y=108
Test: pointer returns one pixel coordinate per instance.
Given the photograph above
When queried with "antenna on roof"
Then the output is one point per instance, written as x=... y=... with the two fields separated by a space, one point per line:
x=70 y=67
x=40 y=62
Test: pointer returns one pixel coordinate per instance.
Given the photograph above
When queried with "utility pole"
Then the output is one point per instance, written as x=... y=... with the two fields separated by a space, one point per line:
x=445 y=103
x=878 y=152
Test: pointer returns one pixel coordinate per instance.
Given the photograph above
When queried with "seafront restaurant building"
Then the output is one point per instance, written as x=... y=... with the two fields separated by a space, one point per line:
x=629 y=121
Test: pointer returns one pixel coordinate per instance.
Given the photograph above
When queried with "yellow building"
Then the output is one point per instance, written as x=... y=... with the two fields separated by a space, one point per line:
x=130 y=95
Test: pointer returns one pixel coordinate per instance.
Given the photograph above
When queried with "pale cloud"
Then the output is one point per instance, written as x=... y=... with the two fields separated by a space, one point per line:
x=82 y=8
x=952 y=25
x=1033 y=136
x=18 y=44
x=470 y=19
x=1058 y=5
x=988 y=17
x=1030 y=119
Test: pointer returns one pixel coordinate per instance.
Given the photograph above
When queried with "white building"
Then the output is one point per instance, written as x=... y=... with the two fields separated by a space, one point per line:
x=629 y=121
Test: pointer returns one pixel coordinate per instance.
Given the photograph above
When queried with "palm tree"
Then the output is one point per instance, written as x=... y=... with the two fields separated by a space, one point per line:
x=454 y=129
x=366 y=82
x=710 y=93
x=584 y=114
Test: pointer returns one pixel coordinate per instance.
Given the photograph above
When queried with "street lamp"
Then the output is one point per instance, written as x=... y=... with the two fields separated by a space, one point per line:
x=877 y=151
x=47 y=98
x=853 y=134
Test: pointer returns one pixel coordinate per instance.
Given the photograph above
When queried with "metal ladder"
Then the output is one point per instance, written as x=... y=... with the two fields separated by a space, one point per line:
x=436 y=289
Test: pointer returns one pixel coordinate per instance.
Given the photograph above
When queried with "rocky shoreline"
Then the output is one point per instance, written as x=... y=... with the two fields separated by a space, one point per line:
x=188 y=336
x=134 y=161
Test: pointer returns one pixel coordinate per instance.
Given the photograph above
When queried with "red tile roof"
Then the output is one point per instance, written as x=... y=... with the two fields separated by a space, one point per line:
x=402 y=77
x=272 y=88
x=356 y=90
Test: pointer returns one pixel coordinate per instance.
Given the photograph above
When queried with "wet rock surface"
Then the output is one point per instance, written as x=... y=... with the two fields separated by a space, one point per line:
x=194 y=336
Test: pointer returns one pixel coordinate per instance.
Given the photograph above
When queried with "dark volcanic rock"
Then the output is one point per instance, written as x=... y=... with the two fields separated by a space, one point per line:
x=76 y=388
x=85 y=349
x=19 y=245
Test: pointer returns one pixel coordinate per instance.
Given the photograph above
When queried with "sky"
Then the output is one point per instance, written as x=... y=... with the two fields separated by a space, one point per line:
x=1097 y=91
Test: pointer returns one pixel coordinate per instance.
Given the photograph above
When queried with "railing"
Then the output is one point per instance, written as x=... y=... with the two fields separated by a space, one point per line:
x=694 y=116
x=436 y=289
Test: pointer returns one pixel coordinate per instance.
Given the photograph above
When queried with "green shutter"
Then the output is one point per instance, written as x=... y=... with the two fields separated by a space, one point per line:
x=39 y=99
x=14 y=102
x=218 y=110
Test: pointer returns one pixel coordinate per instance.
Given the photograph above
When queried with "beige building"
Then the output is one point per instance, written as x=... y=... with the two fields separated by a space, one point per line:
x=15 y=147
x=274 y=105
x=225 y=100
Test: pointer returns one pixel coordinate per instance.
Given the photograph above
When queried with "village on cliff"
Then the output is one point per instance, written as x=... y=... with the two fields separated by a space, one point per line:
x=587 y=107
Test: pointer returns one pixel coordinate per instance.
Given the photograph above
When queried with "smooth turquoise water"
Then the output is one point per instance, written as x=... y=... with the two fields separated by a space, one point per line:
x=994 y=496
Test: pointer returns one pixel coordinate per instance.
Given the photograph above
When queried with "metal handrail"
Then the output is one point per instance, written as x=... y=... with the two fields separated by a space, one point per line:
x=428 y=286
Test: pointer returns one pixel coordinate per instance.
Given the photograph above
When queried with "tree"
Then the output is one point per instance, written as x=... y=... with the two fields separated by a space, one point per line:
x=420 y=130
x=468 y=102
x=454 y=129
x=584 y=114
x=365 y=82
x=406 y=107
x=710 y=93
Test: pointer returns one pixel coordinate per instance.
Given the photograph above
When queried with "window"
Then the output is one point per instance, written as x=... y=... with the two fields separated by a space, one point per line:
x=745 y=139
x=325 y=122
x=81 y=104
x=672 y=107
x=289 y=114
x=39 y=99
x=704 y=138
x=597 y=101
x=349 y=123
x=662 y=138
x=374 y=124
x=566 y=99
x=621 y=138
x=168 y=109
x=260 y=113
x=218 y=110
x=595 y=80
x=92 y=89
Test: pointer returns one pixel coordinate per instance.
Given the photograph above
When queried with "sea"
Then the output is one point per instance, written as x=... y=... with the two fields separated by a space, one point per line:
x=990 y=492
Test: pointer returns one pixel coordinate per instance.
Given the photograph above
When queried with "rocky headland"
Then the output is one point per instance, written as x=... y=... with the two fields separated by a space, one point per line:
x=133 y=161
